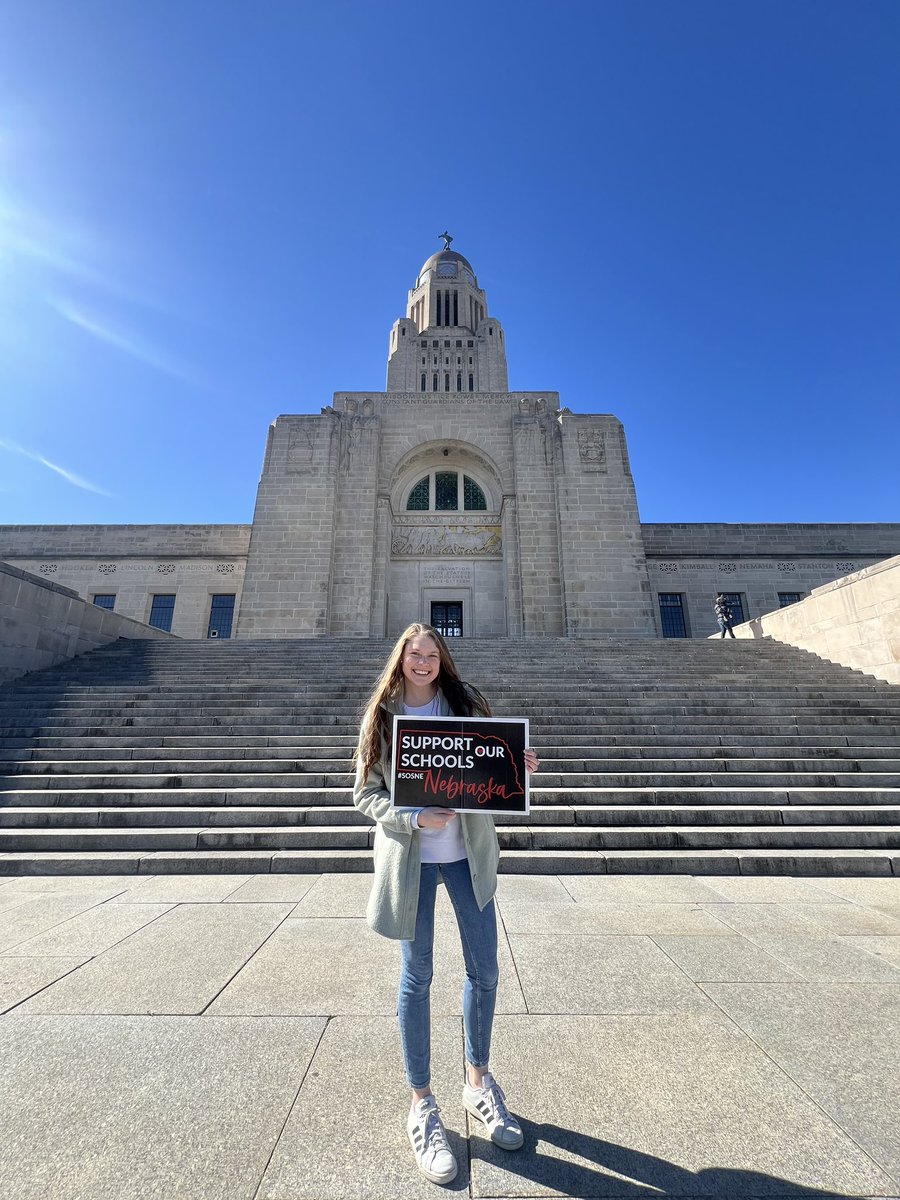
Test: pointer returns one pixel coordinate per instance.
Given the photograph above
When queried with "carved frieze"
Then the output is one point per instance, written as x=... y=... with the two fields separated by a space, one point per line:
x=424 y=539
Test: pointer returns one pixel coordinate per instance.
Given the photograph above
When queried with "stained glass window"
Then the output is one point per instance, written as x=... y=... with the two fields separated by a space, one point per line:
x=450 y=493
x=446 y=487
x=473 y=496
x=418 y=497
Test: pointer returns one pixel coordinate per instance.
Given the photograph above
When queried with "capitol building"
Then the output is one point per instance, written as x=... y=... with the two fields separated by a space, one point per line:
x=449 y=499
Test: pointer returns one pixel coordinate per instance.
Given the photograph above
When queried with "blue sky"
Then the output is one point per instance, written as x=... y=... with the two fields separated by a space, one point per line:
x=685 y=214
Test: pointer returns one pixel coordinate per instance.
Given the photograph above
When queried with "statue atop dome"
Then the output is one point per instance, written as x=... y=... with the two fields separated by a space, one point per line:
x=447 y=239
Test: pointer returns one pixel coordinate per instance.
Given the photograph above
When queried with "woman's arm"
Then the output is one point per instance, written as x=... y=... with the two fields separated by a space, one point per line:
x=372 y=796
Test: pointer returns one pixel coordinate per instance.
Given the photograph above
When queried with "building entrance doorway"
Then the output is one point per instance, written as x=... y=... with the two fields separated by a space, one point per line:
x=447 y=617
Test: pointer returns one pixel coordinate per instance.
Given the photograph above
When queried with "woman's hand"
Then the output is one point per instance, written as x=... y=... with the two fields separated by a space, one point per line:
x=435 y=818
x=532 y=762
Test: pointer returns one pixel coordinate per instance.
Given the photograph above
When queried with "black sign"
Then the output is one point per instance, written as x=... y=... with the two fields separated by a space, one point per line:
x=470 y=764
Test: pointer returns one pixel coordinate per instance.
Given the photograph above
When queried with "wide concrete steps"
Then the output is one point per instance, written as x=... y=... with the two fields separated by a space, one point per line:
x=656 y=756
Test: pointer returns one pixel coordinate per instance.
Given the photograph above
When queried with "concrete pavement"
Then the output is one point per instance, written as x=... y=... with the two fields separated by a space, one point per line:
x=231 y=1037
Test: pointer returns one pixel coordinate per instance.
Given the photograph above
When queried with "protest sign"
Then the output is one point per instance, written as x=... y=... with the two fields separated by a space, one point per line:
x=470 y=764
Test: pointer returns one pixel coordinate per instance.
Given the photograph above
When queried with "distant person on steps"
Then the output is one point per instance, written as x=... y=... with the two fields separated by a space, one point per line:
x=723 y=615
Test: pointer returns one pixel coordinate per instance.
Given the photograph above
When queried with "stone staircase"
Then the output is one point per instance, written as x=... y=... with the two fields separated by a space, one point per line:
x=665 y=756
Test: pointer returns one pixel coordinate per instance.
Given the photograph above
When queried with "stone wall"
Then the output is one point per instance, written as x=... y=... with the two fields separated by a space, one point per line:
x=134 y=563
x=759 y=563
x=853 y=621
x=42 y=624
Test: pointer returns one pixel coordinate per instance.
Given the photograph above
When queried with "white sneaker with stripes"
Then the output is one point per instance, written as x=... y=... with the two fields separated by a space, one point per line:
x=488 y=1104
x=429 y=1141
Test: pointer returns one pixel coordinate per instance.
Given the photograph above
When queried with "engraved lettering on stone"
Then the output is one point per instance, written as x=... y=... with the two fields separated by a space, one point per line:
x=447 y=575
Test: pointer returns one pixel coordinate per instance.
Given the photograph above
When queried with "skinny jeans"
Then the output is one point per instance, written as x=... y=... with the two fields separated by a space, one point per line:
x=478 y=934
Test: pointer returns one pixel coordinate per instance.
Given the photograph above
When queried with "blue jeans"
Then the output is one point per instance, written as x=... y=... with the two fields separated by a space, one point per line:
x=478 y=933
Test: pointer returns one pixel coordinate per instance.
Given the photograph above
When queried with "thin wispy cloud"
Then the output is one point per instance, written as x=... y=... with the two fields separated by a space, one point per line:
x=69 y=476
x=127 y=342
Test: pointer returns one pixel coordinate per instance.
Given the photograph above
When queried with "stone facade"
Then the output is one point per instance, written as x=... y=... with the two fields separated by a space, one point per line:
x=447 y=497
x=134 y=563
x=761 y=564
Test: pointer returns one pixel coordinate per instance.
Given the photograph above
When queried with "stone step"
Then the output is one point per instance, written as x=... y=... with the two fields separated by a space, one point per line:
x=236 y=756
x=165 y=781
x=518 y=862
x=72 y=759
x=305 y=796
x=70 y=817
x=535 y=837
x=228 y=767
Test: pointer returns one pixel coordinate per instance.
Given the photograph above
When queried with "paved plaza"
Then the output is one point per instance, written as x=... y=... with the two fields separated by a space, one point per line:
x=232 y=1037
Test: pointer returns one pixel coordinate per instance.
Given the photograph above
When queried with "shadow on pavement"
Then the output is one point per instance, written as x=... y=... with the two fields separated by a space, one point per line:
x=646 y=1175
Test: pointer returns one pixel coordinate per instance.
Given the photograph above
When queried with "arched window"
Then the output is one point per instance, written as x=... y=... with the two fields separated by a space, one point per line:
x=420 y=495
x=446 y=491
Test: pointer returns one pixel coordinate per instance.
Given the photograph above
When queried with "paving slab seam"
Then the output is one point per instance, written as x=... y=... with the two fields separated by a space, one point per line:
x=812 y=1099
x=512 y=958
x=291 y=1107
x=245 y=964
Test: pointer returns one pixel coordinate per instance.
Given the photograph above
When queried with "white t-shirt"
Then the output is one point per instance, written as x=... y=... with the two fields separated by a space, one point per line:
x=438 y=845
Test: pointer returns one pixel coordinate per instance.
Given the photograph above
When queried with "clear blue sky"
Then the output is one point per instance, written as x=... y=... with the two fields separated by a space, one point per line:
x=686 y=214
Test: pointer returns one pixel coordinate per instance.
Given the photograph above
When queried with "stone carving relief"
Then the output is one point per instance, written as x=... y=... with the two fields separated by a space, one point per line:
x=532 y=443
x=225 y=568
x=301 y=450
x=48 y=568
x=726 y=568
x=786 y=567
x=591 y=450
x=107 y=568
x=410 y=541
x=166 y=568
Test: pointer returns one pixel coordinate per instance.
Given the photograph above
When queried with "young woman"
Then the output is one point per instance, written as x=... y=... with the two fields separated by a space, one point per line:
x=414 y=850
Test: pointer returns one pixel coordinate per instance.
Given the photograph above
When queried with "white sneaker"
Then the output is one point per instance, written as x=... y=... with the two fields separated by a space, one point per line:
x=429 y=1141
x=488 y=1104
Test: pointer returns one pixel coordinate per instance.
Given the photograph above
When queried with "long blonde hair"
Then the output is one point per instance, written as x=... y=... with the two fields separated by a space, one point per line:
x=376 y=729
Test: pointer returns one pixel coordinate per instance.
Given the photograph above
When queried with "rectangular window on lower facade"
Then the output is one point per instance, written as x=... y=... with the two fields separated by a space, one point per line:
x=105 y=600
x=736 y=604
x=221 y=615
x=161 y=612
x=671 y=613
x=786 y=598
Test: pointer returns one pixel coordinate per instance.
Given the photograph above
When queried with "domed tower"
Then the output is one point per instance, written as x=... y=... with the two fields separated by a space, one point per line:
x=447 y=342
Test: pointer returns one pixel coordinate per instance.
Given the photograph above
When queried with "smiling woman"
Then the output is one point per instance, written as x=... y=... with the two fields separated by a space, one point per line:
x=415 y=849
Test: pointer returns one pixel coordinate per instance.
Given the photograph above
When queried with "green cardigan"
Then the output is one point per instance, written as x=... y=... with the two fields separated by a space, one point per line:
x=395 y=891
